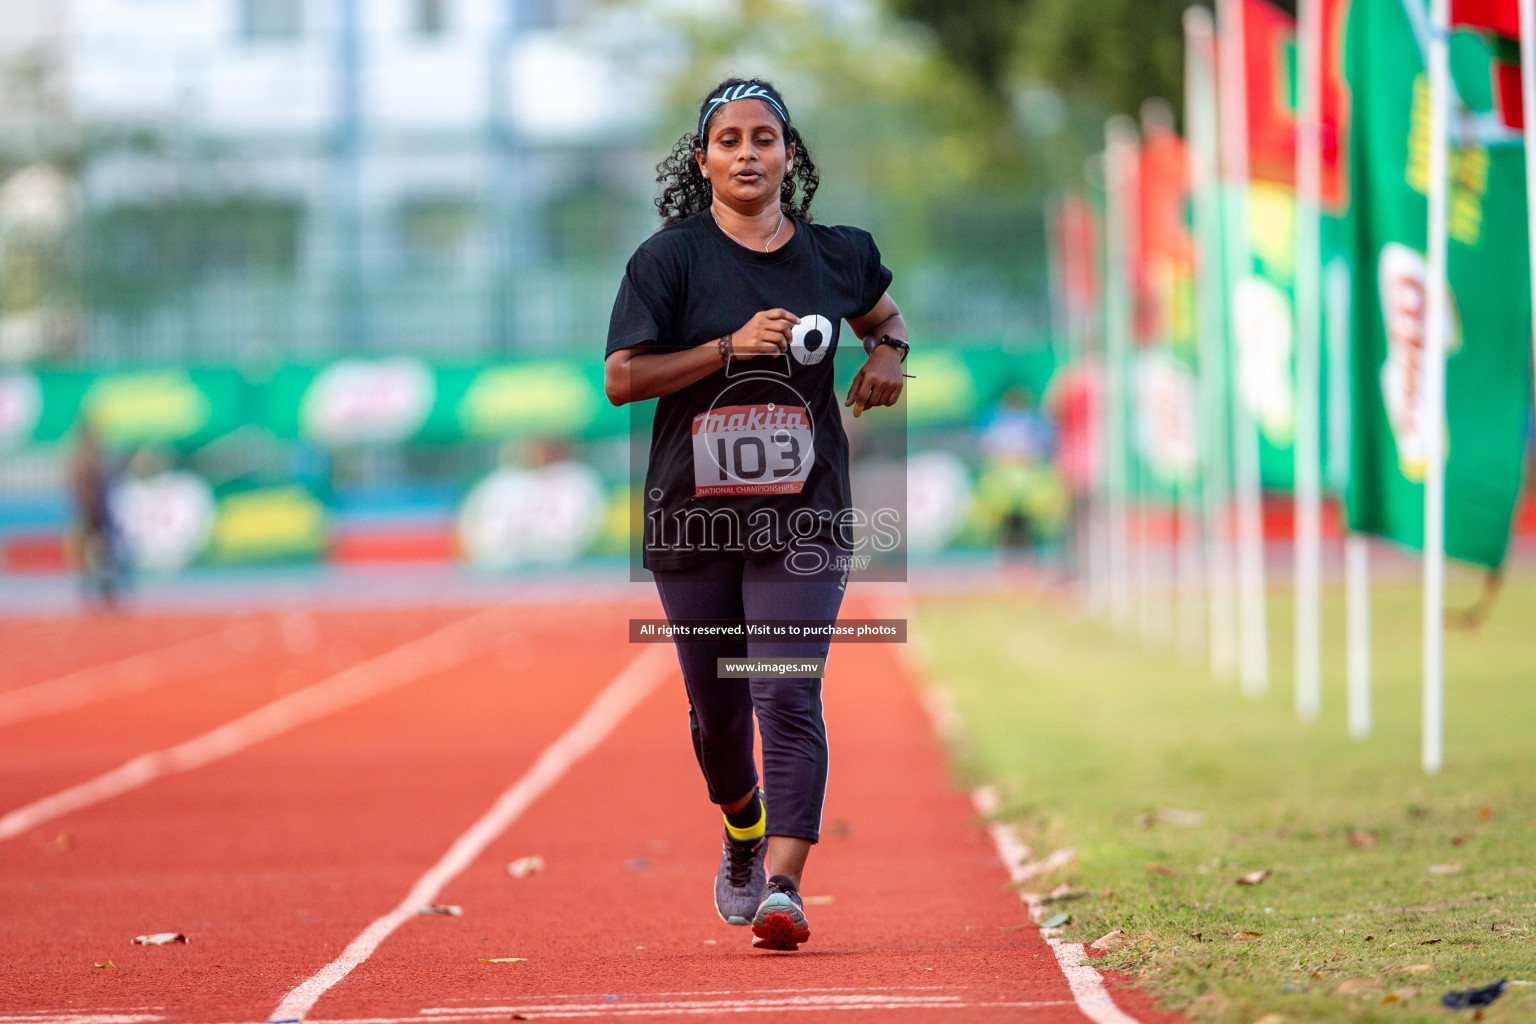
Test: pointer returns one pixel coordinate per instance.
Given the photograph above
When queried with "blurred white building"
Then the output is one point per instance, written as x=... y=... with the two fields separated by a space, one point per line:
x=243 y=69
x=267 y=177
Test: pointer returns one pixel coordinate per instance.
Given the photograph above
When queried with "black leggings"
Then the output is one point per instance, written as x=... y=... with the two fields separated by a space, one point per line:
x=789 y=718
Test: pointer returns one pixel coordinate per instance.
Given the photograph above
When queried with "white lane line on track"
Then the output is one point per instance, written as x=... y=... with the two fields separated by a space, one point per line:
x=783 y=997
x=132 y=674
x=606 y=711
x=739 y=993
x=1086 y=983
x=436 y=652
x=790 y=1005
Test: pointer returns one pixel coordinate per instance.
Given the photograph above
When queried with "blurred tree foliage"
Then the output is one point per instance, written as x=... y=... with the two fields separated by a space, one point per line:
x=978 y=35
x=134 y=256
x=1118 y=52
x=948 y=180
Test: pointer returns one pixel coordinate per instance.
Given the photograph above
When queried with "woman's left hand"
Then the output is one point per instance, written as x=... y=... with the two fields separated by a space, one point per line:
x=878 y=382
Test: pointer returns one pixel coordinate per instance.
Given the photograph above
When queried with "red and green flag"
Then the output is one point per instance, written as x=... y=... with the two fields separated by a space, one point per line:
x=1163 y=394
x=1487 y=366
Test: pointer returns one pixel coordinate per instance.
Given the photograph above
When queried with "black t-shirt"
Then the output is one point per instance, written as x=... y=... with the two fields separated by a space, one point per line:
x=754 y=454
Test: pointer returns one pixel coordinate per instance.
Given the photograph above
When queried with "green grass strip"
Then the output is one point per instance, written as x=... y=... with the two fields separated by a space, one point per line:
x=1388 y=888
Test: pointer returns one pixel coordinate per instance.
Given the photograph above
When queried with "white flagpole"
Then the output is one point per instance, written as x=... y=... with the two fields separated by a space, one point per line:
x=1253 y=628
x=1067 y=355
x=1183 y=562
x=1436 y=308
x=1161 y=528
x=1205 y=184
x=1093 y=333
x=1528 y=105
x=1307 y=451
x=1357 y=623
x=1119 y=149
x=1136 y=472
x=1357 y=564
x=1190 y=572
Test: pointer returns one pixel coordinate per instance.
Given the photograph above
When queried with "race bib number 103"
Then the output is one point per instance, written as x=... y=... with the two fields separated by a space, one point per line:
x=752 y=449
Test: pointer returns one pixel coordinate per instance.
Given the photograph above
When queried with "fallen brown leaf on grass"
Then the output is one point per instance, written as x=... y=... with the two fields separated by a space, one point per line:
x=1246 y=936
x=1183 y=819
x=160 y=939
x=1053 y=862
x=1358 y=987
x=1485 y=812
x=1398 y=996
x=525 y=866
x=1253 y=878
x=1110 y=940
x=501 y=959
x=1062 y=894
x=1158 y=869
x=1430 y=942
x=1363 y=840
x=1417 y=968
x=1272 y=1018
x=1444 y=869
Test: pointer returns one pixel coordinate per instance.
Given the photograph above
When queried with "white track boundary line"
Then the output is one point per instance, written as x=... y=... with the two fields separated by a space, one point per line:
x=606 y=711
x=791 y=1005
x=133 y=673
x=436 y=652
x=1086 y=983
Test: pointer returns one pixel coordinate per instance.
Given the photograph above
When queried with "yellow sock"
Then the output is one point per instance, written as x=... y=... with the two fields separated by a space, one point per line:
x=754 y=831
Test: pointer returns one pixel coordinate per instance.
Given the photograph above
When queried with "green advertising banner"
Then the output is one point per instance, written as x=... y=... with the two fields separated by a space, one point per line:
x=1487 y=370
x=128 y=407
x=403 y=399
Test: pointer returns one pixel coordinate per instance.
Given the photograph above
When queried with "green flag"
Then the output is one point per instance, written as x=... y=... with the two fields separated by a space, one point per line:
x=1487 y=369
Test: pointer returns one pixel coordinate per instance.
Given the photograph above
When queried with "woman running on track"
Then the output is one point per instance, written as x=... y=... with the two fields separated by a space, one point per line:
x=731 y=315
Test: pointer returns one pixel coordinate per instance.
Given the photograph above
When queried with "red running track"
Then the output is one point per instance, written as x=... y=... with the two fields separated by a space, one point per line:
x=276 y=857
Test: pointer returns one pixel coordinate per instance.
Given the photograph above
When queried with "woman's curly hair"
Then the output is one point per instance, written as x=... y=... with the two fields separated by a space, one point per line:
x=685 y=191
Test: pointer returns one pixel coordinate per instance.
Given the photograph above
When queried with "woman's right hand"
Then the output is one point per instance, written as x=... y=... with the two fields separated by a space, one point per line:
x=767 y=333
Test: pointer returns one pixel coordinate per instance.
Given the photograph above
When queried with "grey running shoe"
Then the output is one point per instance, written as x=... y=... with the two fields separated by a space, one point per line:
x=780 y=919
x=739 y=883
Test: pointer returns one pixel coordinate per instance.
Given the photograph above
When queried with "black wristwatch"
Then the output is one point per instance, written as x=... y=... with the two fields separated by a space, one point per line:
x=896 y=343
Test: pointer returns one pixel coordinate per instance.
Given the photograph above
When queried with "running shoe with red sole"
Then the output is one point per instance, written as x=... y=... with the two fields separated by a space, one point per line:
x=780 y=919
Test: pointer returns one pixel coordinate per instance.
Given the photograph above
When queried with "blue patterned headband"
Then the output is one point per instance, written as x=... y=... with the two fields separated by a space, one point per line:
x=744 y=91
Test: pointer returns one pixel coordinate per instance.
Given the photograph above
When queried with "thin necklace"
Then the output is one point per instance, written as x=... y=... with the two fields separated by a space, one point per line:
x=744 y=244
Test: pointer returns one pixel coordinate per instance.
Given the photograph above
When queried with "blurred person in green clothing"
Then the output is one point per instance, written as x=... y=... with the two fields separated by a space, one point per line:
x=1020 y=497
